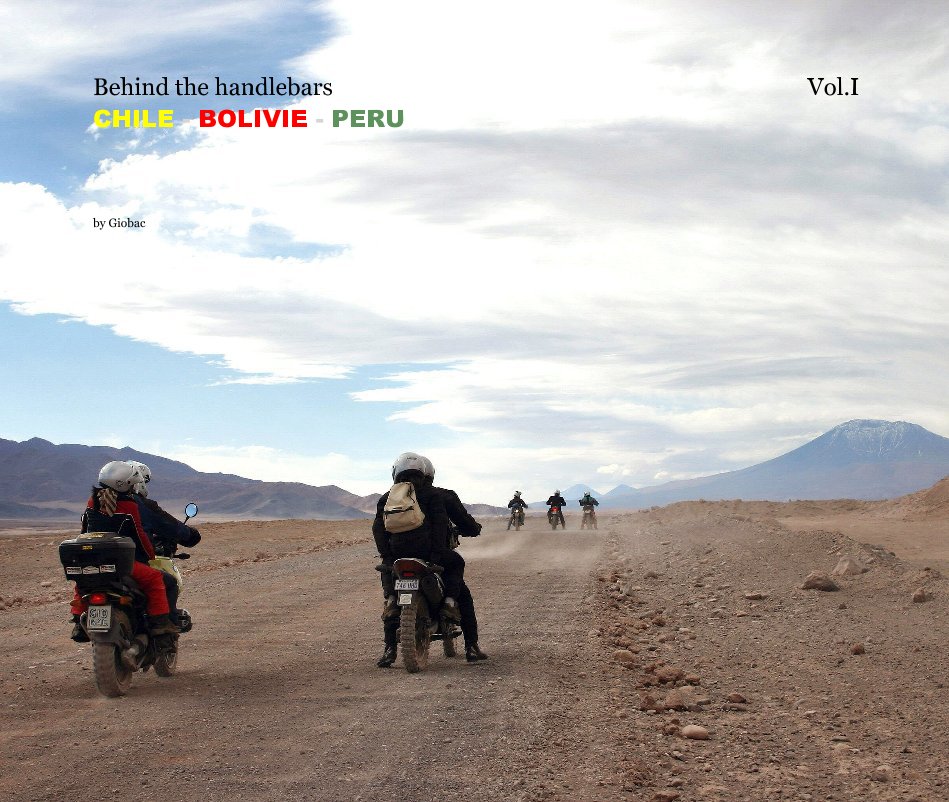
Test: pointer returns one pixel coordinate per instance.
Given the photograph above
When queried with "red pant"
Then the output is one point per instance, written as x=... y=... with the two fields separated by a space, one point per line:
x=152 y=585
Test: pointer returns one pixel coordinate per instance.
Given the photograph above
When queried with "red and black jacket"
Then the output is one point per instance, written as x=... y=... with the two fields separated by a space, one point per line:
x=124 y=521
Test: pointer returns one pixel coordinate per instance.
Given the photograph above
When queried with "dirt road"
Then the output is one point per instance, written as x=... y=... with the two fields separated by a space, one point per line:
x=278 y=697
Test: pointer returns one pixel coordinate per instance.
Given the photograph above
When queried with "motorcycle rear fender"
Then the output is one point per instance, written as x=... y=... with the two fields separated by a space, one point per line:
x=413 y=565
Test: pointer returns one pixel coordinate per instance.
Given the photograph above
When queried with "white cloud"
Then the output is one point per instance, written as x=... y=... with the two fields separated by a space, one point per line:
x=603 y=239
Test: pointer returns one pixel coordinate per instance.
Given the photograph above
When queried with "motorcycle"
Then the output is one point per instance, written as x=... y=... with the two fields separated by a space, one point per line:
x=101 y=563
x=589 y=517
x=553 y=517
x=419 y=594
x=517 y=518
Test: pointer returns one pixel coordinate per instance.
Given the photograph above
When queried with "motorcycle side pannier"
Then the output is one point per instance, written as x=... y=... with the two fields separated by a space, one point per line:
x=95 y=556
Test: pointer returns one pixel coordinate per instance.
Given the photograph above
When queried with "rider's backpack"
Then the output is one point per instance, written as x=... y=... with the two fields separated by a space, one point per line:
x=402 y=511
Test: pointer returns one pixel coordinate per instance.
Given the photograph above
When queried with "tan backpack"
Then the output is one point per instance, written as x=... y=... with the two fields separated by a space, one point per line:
x=402 y=512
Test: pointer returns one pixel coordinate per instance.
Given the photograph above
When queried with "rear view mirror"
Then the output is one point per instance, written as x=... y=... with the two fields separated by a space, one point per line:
x=190 y=511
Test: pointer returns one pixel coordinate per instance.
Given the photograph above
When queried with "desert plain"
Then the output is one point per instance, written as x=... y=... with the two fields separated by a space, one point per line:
x=671 y=654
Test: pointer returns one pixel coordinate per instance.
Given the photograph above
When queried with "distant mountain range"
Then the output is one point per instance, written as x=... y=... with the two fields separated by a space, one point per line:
x=43 y=481
x=40 y=480
x=860 y=459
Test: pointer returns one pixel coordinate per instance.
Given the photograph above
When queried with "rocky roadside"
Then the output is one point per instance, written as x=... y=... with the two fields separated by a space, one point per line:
x=730 y=680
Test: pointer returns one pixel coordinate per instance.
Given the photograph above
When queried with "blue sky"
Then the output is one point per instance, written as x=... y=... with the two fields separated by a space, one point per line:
x=630 y=246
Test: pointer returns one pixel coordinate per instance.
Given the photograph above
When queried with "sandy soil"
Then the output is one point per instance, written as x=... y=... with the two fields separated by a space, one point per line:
x=595 y=639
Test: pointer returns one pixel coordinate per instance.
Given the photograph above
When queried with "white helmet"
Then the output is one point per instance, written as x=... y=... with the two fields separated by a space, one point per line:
x=410 y=461
x=142 y=477
x=429 y=469
x=517 y=493
x=120 y=476
x=556 y=492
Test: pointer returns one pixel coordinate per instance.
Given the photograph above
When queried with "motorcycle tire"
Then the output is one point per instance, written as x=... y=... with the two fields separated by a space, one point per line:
x=414 y=636
x=166 y=661
x=113 y=677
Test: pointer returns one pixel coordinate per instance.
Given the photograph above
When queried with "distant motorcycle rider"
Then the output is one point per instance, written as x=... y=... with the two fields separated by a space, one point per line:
x=556 y=500
x=166 y=531
x=517 y=505
x=588 y=502
x=112 y=508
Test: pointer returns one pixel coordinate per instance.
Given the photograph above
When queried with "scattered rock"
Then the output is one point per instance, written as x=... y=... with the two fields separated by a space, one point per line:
x=920 y=595
x=849 y=566
x=881 y=774
x=819 y=581
x=46 y=584
x=624 y=656
x=667 y=674
x=695 y=732
x=857 y=648
x=683 y=698
x=665 y=796
x=649 y=702
x=756 y=595
x=737 y=699
x=650 y=575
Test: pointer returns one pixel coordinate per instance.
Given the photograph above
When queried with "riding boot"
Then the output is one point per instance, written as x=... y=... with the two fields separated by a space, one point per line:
x=388 y=657
x=162 y=625
x=390 y=629
x=473 y=653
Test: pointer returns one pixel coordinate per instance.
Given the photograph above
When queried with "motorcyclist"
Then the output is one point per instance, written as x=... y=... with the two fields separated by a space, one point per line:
x=467 y=527
x=166 y=531
x=518 y=505
x=112 y=508
x=426 y=542
x=556 y=500
x=589 y=501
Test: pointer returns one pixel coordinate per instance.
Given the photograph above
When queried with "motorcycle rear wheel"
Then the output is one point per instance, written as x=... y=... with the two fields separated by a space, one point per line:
x=414 y=638
x=113 y=677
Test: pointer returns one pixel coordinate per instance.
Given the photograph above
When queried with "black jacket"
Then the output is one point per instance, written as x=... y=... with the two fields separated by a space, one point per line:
x=163 y=527
x=427 y=542
x=458 y=514
x=517 y=501
x=558 y=501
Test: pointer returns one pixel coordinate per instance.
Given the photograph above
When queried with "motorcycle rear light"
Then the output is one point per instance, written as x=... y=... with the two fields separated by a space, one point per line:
x=97 y=598
x=408 y=573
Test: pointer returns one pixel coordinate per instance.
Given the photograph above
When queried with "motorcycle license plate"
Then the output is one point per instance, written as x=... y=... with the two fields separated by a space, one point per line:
x=99 y=619
x=406 y=584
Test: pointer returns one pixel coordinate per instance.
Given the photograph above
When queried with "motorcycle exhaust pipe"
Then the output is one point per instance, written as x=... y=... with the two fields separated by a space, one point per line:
x=130 y=656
